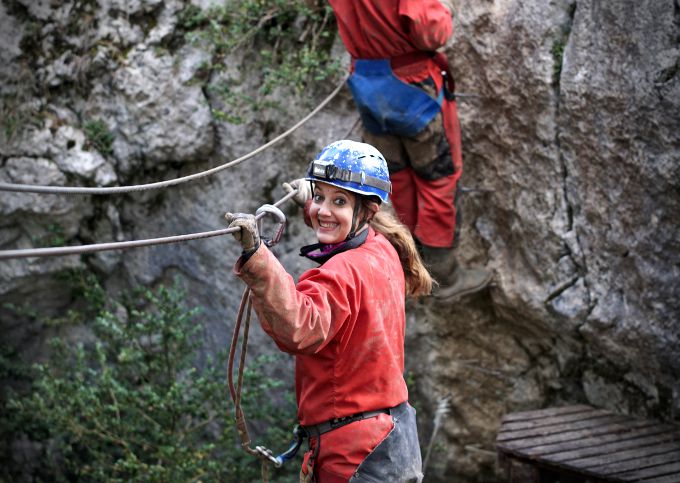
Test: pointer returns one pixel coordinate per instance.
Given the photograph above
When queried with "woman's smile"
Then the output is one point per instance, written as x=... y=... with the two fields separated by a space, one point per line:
x=331 y=213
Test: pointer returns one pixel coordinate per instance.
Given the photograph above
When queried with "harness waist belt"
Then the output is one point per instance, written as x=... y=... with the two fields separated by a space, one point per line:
x=321 y=428
x=407 y=59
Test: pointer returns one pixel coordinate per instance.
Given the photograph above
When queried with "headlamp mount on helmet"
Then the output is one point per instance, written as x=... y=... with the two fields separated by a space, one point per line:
x=327 y=170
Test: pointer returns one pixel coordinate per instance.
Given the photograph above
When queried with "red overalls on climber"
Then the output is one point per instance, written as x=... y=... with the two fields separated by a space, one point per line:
x=411 y=118
x=344 y=321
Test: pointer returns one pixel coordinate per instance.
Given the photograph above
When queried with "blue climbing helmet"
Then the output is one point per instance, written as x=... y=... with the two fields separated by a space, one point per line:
x=354 y=166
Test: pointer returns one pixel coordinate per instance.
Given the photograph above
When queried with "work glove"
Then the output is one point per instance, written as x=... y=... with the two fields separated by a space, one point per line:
x=304 y=190
x=248 y=235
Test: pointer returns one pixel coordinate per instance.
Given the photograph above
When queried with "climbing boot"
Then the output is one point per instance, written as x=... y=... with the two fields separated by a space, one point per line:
x=454 y=280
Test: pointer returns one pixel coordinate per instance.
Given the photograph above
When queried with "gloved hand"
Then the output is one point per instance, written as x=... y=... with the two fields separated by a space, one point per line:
x=304 y=190
x=248 y=234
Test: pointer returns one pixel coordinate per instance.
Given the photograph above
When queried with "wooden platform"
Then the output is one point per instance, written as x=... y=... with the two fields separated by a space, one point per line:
x=581 y=443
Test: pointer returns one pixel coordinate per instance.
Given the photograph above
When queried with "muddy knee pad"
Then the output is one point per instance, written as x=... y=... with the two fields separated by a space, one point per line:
x=429 y=152
x=390 y=146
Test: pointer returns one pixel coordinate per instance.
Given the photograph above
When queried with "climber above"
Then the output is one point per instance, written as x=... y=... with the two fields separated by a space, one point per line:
x=344 y=321
x=409 y=114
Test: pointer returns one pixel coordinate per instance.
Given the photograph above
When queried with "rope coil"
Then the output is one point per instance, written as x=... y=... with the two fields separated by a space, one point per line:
x=236 y=390
x=266 y=455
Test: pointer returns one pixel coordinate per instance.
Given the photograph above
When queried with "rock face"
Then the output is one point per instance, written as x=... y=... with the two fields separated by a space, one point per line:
x=576 y=132
x=570 y=129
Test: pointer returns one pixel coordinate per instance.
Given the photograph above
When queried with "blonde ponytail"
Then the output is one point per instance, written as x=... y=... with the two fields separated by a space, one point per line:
x=418 y=279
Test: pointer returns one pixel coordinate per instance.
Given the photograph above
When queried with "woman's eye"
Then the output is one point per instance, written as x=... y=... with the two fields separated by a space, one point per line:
x=317 y=198
x=340 y=201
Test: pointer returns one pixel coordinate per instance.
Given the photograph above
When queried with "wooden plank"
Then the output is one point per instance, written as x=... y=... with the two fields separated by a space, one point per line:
x=636 y=463
x=545 y=413
x=643 y=452
x=663 y=479
x=567 y=427
x=562 y=469
x=549 y=420
x=593 y=443
x=670 y=469
x=577 y=467
x=613 y=447
x=584 y=437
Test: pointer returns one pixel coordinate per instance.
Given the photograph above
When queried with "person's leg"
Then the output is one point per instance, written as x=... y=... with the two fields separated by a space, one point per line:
x=436 y=216
x=453 y=135
x=403 y=197
x=437 y=160
x=435 y=176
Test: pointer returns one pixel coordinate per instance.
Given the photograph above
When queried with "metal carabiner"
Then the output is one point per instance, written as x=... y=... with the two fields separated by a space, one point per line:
x=281 y=218
x=268 y=455
x=299 y=434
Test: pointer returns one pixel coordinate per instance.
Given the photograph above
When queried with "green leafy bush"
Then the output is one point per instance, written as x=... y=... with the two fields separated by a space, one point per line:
x=99 y=136
x=288 y=41
x=132 y=405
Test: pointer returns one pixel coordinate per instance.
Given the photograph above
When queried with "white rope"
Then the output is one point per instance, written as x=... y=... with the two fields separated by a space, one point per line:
x=443 y=408
x=98 y=247
x=75 y=190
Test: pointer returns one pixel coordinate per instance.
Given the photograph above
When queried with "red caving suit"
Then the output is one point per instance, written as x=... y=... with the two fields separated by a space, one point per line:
x=344 y=322
x=423 y=184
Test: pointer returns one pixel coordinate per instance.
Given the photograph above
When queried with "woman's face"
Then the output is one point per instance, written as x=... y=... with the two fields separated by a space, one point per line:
x=331 y=212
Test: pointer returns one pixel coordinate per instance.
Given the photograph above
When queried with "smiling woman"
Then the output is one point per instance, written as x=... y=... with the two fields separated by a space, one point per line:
x=331 y=213
x=344 y=321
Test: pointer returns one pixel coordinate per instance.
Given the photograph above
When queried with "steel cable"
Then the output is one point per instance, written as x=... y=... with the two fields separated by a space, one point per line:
x=75 y=190
x=98 y=247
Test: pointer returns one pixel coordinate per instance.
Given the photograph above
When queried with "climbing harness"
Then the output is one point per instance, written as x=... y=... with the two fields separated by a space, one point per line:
x=387 y=104
x=98 y=247
x=235 y=390
x=163 y=184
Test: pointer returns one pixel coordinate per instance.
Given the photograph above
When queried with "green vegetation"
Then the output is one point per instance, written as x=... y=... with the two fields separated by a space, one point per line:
x=9 y=126
x=288 y=41
x=283 y=45
x=54 y=237
x=558 y=55
x=559 y=44
x=16 y=109
x=98 y=136
x=133 y=405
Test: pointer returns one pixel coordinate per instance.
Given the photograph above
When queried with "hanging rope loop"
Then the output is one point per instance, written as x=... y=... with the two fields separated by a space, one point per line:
x=236 y=389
